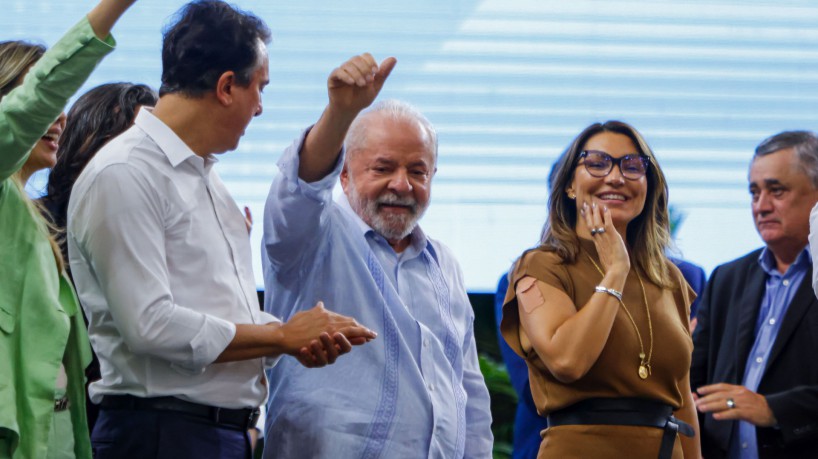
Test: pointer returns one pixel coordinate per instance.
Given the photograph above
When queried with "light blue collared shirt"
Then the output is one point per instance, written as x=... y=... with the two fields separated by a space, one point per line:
x=778 y=294
x=415 y=391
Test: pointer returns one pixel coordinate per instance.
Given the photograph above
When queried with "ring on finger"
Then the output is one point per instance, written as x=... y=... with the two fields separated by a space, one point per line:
x=600 y=230
x=730 y=403
x=593 y=231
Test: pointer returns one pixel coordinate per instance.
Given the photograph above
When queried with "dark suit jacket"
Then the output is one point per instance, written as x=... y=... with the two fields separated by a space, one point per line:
x=723 y=339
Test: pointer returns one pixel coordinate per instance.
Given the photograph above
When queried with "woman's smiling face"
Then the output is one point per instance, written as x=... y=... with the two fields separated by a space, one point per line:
x=624 y=197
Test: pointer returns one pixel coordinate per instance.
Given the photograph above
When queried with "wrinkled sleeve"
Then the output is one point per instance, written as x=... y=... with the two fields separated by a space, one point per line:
x=28 y=110
x=118 y=227
x=295 y=212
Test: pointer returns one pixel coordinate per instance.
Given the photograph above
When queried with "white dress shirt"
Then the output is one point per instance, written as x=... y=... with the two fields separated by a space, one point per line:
x=161 y=259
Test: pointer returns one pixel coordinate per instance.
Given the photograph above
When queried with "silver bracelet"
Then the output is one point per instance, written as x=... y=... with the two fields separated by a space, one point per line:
x=614 y=293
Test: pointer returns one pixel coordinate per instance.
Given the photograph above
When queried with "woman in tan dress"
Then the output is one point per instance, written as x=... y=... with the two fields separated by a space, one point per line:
x=599 y=312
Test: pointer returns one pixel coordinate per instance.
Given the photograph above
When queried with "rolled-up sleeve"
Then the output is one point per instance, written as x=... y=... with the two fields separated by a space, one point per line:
x=118 y=227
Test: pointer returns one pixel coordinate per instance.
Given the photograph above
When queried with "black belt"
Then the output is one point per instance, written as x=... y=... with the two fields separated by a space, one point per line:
x=239 y=419
x=625 y=412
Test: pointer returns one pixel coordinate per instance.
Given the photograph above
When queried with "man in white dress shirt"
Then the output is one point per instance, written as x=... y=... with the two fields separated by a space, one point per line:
x=161 y=259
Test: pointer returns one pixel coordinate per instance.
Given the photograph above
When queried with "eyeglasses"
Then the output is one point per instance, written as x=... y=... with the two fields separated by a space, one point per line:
x=600 y=164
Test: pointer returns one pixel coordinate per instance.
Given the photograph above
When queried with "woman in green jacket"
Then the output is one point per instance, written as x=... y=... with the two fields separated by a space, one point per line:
x=43 y=342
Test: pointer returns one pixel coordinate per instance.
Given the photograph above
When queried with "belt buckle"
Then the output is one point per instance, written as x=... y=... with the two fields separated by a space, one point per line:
x=62 y=404
x=249 y=421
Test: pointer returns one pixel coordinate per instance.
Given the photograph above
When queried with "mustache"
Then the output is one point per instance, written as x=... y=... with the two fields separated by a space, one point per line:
x=395 y=200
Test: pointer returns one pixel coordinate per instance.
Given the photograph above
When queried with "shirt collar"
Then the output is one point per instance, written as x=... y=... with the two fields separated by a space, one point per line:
x=169 y=143
x=418 y=239
x=767 y=261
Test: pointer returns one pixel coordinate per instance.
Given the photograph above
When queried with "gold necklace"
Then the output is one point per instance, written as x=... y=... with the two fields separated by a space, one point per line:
x=644 y=363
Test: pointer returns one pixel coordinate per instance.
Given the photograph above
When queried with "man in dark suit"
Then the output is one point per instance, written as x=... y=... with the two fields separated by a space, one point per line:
x=755 y=369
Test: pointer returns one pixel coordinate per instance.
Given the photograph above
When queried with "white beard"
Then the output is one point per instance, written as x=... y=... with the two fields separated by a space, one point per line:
x=392 y=227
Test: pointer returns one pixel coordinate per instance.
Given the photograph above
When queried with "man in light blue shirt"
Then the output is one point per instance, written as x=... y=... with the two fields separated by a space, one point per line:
x=416 y=391
x=754 y=366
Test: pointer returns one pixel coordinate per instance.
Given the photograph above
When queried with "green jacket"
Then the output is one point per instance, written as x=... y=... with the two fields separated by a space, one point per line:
x=40 y=321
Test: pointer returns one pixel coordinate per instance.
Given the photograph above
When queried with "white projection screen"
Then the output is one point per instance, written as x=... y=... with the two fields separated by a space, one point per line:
x=508 y=83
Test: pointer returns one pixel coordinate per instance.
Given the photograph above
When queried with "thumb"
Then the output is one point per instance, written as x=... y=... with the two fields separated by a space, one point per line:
x=385 y=69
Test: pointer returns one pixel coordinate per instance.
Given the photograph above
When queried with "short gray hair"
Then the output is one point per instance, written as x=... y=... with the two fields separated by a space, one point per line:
x=393 y=109
x=805 y=144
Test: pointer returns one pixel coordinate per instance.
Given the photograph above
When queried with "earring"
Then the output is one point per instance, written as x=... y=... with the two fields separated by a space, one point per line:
x=571 y=195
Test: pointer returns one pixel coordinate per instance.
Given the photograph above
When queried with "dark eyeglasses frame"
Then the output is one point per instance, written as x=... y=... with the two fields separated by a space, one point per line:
x=618 y=163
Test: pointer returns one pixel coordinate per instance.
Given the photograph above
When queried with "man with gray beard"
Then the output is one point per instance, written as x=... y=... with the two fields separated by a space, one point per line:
x=417 y=390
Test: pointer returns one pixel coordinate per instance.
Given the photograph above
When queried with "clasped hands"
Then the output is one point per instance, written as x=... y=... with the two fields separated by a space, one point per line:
x=318 y=336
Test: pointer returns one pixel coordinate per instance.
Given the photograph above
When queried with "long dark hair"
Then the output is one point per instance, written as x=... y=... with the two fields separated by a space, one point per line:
x=648 y=235
x=95 y=118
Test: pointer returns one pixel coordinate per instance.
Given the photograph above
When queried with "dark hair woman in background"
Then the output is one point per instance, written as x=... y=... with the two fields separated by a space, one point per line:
x=97 y=116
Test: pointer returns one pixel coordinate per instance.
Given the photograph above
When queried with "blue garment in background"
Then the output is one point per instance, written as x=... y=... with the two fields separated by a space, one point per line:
x=527 y=423
x=694 y=275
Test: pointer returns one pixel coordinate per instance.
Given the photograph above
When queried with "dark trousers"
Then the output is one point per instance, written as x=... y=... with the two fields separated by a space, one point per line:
x=137 y=434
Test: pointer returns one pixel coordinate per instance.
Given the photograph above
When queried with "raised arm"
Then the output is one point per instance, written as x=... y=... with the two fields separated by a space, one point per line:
x=300 y=195
x=28 y=110
x=352 y=87
x=103 y=17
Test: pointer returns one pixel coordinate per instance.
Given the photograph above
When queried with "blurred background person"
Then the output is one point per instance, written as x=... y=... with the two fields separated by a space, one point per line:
x=96 y=117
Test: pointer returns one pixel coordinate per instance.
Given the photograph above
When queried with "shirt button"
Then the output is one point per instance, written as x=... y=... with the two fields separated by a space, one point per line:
x=759 y=359
x=744 y=445
x=431 y=387
x=786 y=282
x=426 y=343
x=772 y=321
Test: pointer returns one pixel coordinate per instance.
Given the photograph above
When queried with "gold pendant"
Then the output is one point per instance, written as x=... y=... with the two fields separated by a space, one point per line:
x=643 y=372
